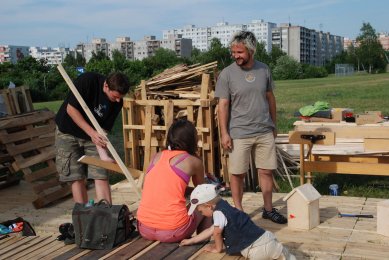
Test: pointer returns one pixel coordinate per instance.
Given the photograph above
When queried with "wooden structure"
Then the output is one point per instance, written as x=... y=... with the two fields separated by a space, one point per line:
x=372 y=160
x=176 y=93
x=303 y=207
x=382 y=218
x=335 y=238
x=17 y=100
x=28 y=144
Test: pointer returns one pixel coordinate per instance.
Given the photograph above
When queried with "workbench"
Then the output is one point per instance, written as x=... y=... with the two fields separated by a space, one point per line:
x=344 y=148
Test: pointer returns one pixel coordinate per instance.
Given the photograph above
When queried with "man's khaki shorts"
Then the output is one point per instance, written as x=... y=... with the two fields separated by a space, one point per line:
x=263 y=149
x=69 y=150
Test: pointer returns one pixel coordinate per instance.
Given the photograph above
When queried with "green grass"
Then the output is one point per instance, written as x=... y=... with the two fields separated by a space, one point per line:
x=359 y=92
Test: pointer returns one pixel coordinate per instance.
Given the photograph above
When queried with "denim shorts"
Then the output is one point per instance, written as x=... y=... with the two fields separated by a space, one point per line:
x=69 y=149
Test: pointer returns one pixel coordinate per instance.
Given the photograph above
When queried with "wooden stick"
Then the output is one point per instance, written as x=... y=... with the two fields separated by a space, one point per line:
x=98 y=128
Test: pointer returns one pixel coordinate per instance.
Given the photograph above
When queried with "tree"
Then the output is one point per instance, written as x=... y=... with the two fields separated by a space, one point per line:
x=275 y=53
x=217 y=52
x=119 y=61
x=370 y=51
x=162 y=60
x=261 y=53
x=287 y=68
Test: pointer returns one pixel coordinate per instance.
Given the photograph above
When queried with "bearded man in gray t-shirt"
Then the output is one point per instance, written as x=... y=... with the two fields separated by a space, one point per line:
x=247 y=114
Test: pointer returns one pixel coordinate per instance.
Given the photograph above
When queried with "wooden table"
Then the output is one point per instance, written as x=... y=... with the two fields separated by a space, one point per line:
x=368 y=153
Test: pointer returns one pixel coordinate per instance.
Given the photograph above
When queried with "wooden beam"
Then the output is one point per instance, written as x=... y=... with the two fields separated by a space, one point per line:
x=98 y=128
x=108 y=165
x=348 y=168
x=296 y=137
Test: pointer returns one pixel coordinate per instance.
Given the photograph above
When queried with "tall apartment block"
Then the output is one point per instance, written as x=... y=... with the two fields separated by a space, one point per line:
x=181 y=46
x=124 y=45
x=52 y=56
x=202 y=36
x=146 y=47
x=307 y=45
x=97 y=45
x=13 y=53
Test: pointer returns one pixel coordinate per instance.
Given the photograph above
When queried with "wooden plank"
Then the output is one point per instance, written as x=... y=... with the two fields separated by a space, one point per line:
x=45 y=155
x=69 y=254
x=59 y=252
x=14 y=149
x=377 y=144
x=6 y=138
x=29 y=119
x=185 y=252
x=295 y=137
x=15 y=245
x=98 y=129
x=52 y=196
x=131 y=249
x=40 y=187
x=108 y=165
x=50 y=170
x=346 y=167
x=27 y=248
x=147 y=146
x=351 y=158
x=161 y=251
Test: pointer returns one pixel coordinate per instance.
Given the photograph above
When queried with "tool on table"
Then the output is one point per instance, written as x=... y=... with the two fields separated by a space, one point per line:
x=341 y=215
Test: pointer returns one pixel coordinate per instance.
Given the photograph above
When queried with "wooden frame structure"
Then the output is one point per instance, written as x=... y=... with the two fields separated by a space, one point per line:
x=17 y=100
x=369 y=161
x=146 y=121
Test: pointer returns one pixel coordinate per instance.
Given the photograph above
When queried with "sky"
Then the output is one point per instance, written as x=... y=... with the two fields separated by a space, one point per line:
x=65 y=23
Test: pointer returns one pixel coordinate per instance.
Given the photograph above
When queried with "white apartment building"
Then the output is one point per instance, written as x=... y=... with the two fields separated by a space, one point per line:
x=97 y=45
x=307 y=45
x=181 y=46
x=13 y=53
x=124 y=45
x=202 y=36
x=53 y=56
x=146 y=47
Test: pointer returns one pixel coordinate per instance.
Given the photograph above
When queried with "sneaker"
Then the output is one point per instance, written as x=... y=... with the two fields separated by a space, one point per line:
x=274 y=216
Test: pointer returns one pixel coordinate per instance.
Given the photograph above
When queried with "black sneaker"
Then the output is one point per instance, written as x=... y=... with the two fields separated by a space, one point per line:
x=274 y=216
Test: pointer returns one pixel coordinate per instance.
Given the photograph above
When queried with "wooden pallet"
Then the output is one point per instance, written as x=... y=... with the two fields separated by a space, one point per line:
x=146 y=121
x=17 y=100
x=29 y=140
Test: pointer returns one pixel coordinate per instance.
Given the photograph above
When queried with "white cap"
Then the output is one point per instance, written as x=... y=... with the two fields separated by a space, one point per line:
x=202 y=194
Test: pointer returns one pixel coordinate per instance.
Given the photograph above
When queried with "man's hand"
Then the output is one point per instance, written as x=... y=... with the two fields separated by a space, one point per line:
x=226 y=142
x=98 y=139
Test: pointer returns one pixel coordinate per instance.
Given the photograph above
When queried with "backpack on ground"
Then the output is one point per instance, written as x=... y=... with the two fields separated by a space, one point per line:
x=17 y=225
x=101 y=225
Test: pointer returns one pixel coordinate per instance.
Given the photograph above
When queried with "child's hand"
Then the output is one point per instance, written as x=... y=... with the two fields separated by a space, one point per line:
x=211 y=248
x=186 y=242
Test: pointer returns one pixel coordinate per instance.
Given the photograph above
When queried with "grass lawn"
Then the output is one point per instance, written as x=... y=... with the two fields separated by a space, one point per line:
x=359 y=92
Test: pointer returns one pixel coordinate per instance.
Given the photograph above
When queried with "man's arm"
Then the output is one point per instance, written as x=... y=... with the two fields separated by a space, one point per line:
x=223 y=112
x=77 y=117
x=271 y=99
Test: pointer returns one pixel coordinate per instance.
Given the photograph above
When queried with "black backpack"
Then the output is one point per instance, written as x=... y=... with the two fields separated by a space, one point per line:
x=101 y=225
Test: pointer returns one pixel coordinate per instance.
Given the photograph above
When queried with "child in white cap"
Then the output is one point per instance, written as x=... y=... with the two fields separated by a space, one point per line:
x=233 y=228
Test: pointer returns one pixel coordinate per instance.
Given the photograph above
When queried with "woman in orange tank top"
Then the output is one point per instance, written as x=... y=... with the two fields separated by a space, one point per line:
x=162 y=213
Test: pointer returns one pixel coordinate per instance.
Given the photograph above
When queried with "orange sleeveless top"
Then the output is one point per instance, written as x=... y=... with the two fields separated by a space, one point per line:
x=163 y=204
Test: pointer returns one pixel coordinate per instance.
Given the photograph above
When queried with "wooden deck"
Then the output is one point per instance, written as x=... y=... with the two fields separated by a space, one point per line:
x=334 y=238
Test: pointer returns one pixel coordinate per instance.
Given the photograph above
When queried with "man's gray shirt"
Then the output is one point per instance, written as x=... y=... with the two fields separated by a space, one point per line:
x=246 y=89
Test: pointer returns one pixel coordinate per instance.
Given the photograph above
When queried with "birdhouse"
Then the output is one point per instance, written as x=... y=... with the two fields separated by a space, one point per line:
x=382 y=218
x=303 y=207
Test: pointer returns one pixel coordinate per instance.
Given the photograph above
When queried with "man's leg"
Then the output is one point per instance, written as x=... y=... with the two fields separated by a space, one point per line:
x=103 y=190
x=79 y=192
x=266 y=180
x=237 y=183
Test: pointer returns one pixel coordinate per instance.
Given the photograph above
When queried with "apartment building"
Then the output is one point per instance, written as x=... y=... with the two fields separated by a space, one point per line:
x=97 y=45
x=124 y=45
x=202 y=36
x=181 y=46
x=13 y=53
x=53 y=56
x=384 y=40
x=146 y=47
x=306 y=45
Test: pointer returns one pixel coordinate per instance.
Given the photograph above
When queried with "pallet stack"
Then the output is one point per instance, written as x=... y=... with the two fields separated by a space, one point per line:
x=16 y=100
x=28 y=142
x=179 y=92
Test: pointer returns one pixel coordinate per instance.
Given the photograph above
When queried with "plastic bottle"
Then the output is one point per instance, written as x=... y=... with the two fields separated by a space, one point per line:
x=90 y=203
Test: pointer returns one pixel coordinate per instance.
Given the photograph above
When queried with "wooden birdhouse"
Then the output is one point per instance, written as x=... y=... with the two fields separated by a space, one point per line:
x=382 y=218
x=303 y=207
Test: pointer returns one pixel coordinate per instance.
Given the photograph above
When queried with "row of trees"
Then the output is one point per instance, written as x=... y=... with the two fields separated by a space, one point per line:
x=46 y=83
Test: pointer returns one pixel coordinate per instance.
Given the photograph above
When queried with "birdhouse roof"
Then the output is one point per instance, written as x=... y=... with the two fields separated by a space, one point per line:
x=307 y=191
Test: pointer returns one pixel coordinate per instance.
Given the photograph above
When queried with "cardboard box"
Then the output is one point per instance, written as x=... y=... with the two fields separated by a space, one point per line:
x=338 y=113
x=370 y=117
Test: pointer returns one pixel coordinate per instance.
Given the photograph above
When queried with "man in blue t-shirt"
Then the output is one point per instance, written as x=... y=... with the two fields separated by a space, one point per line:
x=76 y=136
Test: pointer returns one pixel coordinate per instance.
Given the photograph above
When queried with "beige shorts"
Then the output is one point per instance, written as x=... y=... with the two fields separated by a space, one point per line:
x=262 y=147
x=267 y=247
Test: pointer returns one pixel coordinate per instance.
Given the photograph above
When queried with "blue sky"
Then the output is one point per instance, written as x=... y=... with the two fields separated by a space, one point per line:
x=67 y=22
